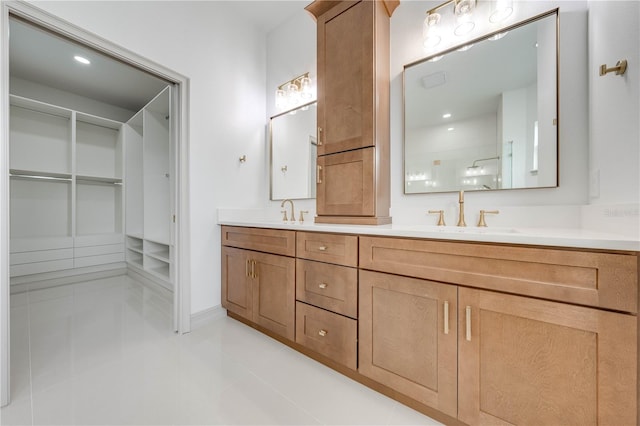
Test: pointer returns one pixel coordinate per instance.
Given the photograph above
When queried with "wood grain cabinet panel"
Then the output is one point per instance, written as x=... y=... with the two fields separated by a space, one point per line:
x=528 y=361
x=330 y=287
x=327 y=333
x=274 y=241
x=237 y=288
x=408 y=337
x=331 y=248
x=605 y=280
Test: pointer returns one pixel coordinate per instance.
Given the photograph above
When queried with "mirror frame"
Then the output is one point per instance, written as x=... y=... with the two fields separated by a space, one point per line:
x=552 y=12
x=271 y=171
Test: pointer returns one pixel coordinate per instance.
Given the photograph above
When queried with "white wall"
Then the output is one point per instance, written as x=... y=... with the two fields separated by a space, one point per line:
x=51 y=95
x=224 y=57
x=291 y=51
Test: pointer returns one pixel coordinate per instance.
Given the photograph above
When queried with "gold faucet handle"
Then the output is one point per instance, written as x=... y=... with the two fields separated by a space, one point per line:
x=481 y=221
x=284 y=215
x=440 y=216
x=301 y=218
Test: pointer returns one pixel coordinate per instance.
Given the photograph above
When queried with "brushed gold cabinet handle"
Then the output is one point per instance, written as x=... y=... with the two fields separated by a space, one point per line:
x=253 y=269
x=446 y=317
x=318 y=174
x=322 y=285
x=322 y=333
x=246 y=268
x=468 y=318
x=322 y=248
x=318 y=139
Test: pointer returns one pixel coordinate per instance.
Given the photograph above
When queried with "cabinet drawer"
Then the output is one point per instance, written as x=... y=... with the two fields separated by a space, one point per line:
x=330 y=248
x=328 y=286
x=603 y=280
x=274 y=241
x=329 y=334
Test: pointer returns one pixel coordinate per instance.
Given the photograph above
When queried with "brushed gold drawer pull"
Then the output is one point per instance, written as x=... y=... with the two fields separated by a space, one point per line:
x=446 y=317
x=468 y=318
x=322 y=248
x=319 y=174
x=318 y=138
x=322 y=285
x=322 y=333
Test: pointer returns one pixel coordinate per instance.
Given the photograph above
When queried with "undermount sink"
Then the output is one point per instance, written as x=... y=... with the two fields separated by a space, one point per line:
x=462 y=229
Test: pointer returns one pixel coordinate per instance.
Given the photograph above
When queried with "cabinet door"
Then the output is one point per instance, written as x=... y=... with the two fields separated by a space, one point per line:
x=346 y=77
x=407 y=340
x=345 y=184
x=236 y=282
x=274 y=293
x=528 y=361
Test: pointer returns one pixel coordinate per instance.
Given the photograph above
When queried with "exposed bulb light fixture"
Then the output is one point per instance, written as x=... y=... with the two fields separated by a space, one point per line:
x=82 y=60
x=501 y=10
x=463 y=12
x=294 y=92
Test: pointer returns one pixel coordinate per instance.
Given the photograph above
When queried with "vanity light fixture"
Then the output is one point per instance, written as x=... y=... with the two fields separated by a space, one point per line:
x=294 y=92
x=463 y=10
x=82 y=60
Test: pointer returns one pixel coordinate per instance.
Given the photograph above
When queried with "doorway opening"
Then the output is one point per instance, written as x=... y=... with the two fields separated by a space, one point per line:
x=95 y=184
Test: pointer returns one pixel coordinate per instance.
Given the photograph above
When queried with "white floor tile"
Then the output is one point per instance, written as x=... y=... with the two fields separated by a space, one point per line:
x=103 y=352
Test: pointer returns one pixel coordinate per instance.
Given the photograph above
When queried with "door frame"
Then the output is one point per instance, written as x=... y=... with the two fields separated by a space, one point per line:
x=181 y=228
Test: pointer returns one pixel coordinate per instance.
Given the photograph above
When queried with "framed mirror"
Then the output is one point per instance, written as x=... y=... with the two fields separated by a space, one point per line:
x=293 y=153
x=483 y=116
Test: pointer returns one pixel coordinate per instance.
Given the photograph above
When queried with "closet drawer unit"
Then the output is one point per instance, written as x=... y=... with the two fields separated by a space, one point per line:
x=40 y=256
x=98 y=250
x=331 y=287
x=330 y=248
x=40 y=267
x=329 y=334
x=274 y=241
x=81 y=262
x=605 y=280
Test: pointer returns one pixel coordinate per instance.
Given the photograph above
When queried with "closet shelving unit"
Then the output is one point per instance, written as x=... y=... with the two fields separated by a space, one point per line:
x=148 y=215
x=79 y=182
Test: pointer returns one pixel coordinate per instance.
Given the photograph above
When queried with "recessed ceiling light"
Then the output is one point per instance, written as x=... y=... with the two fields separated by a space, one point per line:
x=447 y=115
x=450 y=129
x=82 y=60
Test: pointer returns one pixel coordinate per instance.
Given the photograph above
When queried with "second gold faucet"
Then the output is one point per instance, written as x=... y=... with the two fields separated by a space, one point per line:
x=461 y=221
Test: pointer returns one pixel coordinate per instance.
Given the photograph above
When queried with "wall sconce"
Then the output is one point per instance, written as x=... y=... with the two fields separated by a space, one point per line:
x=294 y=92
x=463 y=11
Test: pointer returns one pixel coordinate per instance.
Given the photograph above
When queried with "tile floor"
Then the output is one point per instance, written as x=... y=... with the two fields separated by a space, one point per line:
x=101 y=352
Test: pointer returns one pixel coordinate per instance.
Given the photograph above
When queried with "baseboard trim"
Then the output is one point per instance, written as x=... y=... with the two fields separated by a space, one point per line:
x=150 y=283
x=202 y=318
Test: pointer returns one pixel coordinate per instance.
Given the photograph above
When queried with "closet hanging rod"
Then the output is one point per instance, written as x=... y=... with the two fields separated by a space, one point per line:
x=59 y=114
x=52 y=178
x=91 y=181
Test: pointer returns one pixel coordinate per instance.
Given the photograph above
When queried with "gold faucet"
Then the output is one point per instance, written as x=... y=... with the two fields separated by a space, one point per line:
x=293 y=214
x=481 y=221
x=461 y=209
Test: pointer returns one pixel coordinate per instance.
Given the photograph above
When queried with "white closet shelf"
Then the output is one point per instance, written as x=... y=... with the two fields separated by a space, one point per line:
x=38 y=106
x=162 y=256
x=137 y=236
x=135 y=250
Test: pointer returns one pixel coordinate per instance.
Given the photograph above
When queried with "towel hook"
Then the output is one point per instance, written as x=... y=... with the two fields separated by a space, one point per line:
x=619 y=69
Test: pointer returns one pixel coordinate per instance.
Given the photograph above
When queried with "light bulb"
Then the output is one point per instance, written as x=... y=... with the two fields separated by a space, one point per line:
x=305 y=88
x=430 y=35
x=463 y=11
x=501 y=10
x=281 y=99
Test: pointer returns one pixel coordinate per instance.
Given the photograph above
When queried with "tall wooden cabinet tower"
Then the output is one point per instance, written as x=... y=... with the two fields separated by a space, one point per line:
x=353 y=111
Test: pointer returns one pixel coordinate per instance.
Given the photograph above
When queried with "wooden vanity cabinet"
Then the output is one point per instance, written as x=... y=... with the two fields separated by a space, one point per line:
x=520 y=360
x=327 y=295
x=528 y=361
x=408 y=337
x=353 y=110
x=258 y=286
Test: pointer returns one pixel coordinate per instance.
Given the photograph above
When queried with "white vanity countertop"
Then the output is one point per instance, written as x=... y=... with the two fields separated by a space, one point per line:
x=555 y=237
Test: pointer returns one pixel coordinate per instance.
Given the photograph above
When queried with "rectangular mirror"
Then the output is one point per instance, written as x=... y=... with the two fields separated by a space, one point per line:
x=483 y=116
x=293 y=153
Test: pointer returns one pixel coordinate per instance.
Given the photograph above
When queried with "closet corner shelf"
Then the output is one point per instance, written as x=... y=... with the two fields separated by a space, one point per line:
x=162 y=256
x=135 y=249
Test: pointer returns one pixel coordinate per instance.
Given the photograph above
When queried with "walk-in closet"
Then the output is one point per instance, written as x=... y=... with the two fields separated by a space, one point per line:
x=92 y=165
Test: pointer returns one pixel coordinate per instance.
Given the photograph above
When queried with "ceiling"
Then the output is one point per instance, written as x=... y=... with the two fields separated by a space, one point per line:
x=43 y=57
